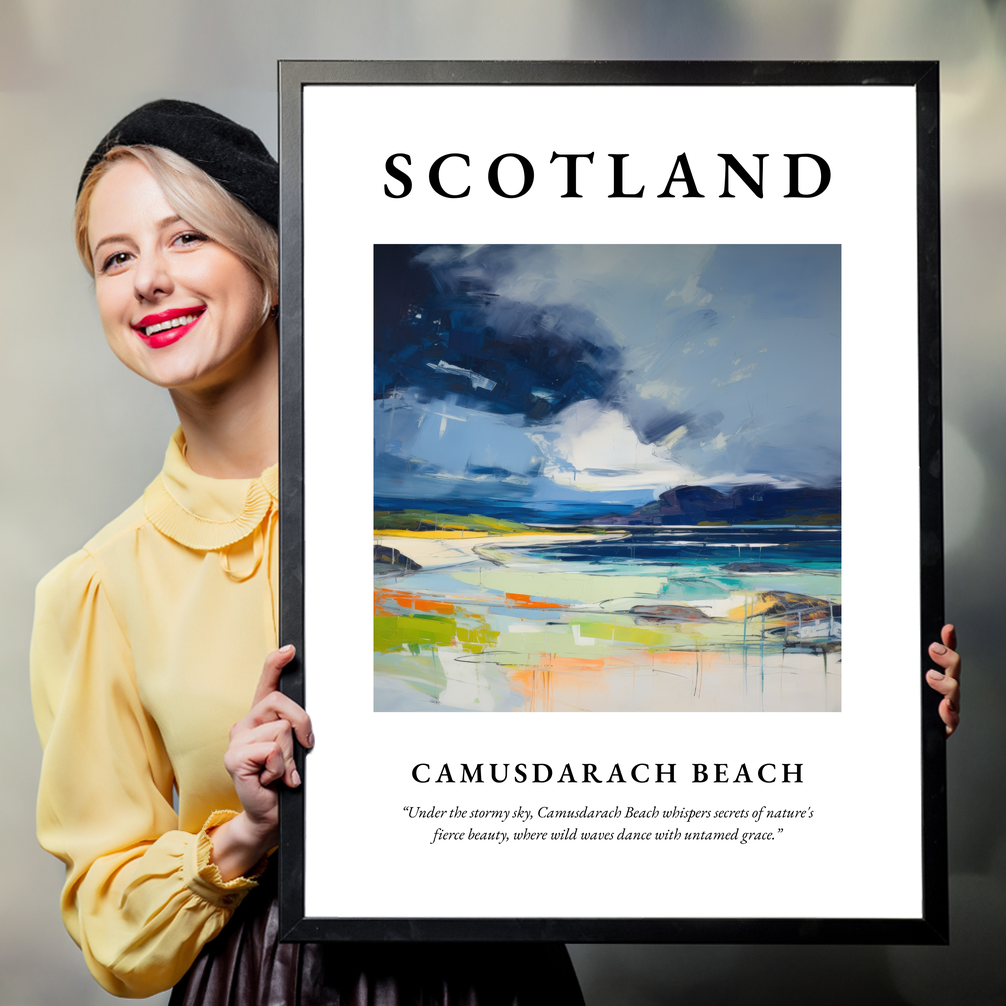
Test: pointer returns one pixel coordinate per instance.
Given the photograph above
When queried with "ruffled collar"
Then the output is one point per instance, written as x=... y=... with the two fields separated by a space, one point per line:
x=203 y=513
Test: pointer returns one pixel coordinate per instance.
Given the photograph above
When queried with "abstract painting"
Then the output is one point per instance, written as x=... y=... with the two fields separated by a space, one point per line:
x=607 y=478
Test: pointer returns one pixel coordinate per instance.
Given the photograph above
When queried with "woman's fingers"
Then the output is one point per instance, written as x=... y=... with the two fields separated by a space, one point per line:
x=270 y=703
x=949 y=636
x=261 y=749
x=274 y=766
x=947 y=681
x=277 y=736
x=271 y=671
x=949 y=712
x=277 y=706
x=260 y=761
x=949 y=688
x=945 y=655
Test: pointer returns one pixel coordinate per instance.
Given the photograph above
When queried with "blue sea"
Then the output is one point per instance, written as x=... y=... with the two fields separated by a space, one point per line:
x=607 y=621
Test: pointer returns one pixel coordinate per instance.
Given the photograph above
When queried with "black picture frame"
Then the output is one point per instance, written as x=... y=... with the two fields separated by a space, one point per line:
x=931 y=927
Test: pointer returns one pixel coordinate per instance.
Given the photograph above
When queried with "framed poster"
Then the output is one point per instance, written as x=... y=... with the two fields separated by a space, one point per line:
x=610 y=427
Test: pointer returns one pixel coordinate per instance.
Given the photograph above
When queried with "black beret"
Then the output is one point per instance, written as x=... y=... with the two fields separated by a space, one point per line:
x=231 y=154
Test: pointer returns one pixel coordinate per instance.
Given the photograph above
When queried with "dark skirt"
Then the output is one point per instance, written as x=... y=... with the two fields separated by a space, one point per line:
x=246 y=965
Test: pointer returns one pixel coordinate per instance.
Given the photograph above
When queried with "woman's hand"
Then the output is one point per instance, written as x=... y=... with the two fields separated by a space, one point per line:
x=947 y=682
x=260 y=753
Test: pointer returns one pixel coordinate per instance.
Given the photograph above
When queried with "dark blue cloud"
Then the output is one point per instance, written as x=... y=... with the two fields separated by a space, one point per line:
x=442 y=329
x=723 y=362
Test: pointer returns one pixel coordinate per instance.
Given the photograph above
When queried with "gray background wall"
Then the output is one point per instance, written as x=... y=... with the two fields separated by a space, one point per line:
x=82 y=436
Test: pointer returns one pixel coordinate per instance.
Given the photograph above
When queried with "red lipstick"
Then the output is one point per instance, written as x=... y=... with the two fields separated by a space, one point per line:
x=165 y=333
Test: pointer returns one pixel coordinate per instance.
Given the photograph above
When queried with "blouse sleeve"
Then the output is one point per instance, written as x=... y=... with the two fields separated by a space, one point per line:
x=141 y=898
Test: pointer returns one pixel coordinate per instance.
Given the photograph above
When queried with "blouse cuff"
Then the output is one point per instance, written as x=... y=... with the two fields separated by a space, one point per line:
x=202 y=876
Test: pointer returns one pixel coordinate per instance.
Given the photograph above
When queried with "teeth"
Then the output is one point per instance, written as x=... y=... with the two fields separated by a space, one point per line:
x=174 y=323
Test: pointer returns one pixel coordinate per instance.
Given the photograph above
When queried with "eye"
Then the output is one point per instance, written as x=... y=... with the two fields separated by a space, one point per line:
x=189 y=239
x=115 y=261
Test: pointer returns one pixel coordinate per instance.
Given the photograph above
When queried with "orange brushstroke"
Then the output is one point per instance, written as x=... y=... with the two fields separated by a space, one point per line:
x=678 y=658
x=406 y=599
x=555 y=662
x=538 y=692
x=538 y=684
x=561 y=680
x=524 y=601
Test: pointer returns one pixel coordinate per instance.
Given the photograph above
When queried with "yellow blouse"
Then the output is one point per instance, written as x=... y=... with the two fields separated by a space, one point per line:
x=147 y=647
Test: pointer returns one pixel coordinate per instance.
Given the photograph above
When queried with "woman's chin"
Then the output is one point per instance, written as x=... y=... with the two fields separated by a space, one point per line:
x=196 y=365
x=173 y=374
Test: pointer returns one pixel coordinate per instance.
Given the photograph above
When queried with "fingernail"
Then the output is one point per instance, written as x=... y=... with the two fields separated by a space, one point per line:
x=295 y=777
x=938 y=648
x=310 y=740
x=287 y=649
x=936 y=675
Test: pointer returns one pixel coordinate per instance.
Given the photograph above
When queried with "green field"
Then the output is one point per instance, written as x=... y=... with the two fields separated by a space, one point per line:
x=427 y=520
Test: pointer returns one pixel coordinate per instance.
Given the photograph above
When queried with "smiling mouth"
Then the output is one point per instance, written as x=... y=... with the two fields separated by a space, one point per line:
x=185 y=319
x=167 y=321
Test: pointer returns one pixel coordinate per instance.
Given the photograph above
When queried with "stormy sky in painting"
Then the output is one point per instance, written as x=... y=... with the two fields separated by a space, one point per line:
x=538 y=373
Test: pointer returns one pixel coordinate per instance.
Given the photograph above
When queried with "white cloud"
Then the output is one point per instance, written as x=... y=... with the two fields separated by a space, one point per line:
x=593 y=448
x=737 y=375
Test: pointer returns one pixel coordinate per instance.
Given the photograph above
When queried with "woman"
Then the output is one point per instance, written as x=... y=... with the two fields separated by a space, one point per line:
x=148 y=643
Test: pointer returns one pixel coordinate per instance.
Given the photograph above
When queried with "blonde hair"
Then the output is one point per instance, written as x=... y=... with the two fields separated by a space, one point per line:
x=199 y=200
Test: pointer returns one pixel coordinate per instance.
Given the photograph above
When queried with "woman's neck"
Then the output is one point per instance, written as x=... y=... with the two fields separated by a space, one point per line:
x=231 y=426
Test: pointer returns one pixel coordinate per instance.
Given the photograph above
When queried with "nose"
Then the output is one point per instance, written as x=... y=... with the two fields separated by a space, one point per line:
x=152 y=277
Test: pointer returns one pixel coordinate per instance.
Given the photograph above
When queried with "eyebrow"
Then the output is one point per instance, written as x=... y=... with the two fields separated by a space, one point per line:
x=111 y=238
